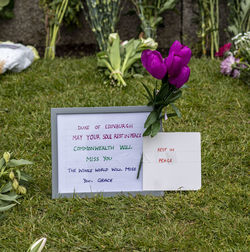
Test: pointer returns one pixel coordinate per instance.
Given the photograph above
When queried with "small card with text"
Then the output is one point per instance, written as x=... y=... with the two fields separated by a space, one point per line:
x=172 y=161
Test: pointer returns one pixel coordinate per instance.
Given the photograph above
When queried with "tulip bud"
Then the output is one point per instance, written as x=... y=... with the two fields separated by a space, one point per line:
x=12 y=175
x=37 y=245
x=15 y=184
x=6 y=157
x=21 y=190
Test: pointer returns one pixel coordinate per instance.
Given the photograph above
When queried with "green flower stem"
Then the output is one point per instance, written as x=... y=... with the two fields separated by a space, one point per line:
x=54 y=29
x=211 y=22
x=217 y=26
x=203 y=34
x=139 y=168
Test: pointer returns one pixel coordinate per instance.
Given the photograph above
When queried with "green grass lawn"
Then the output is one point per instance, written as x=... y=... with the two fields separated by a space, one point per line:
x=211 y=219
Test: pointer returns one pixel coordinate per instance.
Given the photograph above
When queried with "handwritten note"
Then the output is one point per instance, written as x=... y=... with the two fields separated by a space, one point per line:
x=172 y=161
x=99 y=153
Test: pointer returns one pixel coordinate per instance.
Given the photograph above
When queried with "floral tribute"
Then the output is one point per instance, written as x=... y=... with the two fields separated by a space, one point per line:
x=174 y=73
x=223 y=50
x=236 y=61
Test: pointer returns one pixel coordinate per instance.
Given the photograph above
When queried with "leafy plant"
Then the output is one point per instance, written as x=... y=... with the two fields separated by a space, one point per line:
x=102 y=17
x=209 y=22
x=239 y=16
x=241 y=44
x=119 y=58
x=149 y=12
x=12 y=181
x=71 y=16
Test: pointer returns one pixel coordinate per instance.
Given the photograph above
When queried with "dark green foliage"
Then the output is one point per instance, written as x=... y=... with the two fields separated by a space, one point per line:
x=72 y=13
x=239 y=17
x=214 y=218
x=149 y=12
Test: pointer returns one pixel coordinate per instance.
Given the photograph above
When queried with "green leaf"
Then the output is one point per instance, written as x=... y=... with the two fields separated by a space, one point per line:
x=105 y=63
x=171 y=115
x=102 y=54
x=139 y=169
x=163 y=92
x=132 y=60
x=176 y=110
x=5 y=208
x=156 y=21
x=174 y=96
x=6 y=197
x=149 y=93
x=6 y=188
x=153 y=116
x=18 y=174
x=147 y=132
x=1 y=162
x=168 y=5
x=146 y=96
x=155 y=128
x=3 y=3
x=114 y=56
x=129 y=48
x=25 y=177
x=129 y=51
x=14 y=162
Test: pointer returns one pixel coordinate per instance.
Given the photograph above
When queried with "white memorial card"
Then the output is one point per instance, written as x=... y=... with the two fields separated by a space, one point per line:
x=172 y=161
x=99 y=152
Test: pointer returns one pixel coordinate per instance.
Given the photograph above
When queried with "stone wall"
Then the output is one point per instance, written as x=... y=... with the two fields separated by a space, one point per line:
x=27 y=26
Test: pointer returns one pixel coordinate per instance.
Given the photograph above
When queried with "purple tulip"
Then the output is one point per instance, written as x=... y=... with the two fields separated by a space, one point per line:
x=154 y=63
x=182 y=51
x=175 y=65
x=178 y=71
x=182 y=78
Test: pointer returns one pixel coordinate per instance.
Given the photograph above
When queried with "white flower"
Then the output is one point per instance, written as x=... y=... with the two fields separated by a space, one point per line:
x=238 y=35
x=112 y=37
x=124 y=42
x=149 y=42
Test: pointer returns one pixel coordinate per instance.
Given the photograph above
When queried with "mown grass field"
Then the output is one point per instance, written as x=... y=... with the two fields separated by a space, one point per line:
x=214 y=218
